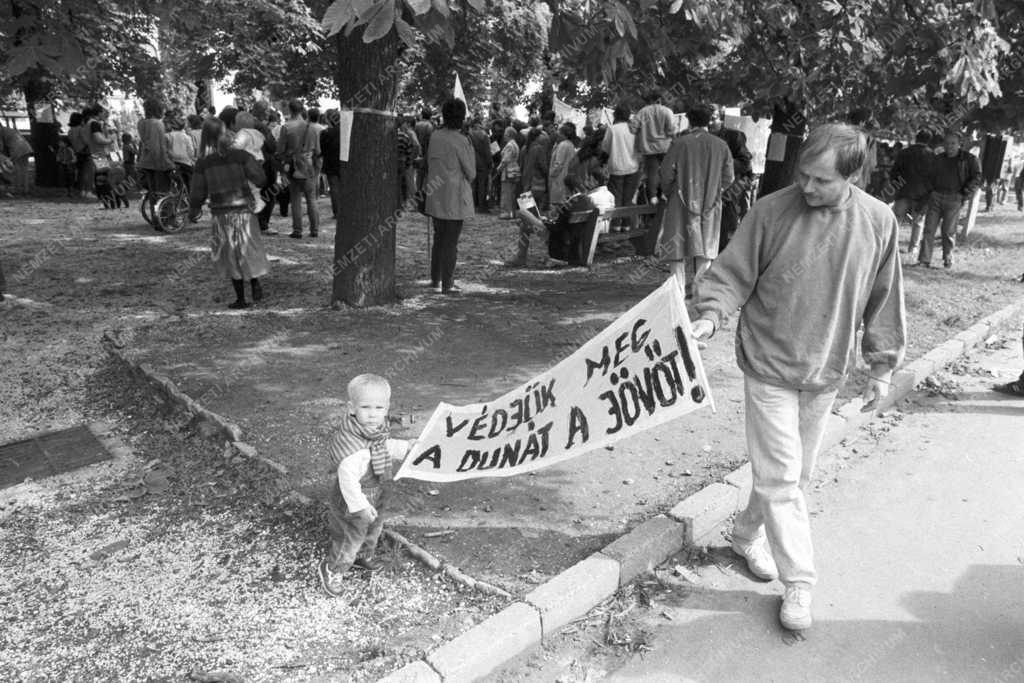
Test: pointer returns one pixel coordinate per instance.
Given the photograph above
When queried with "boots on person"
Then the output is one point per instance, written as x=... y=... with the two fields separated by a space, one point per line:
x=240 y=302
x=257 y=291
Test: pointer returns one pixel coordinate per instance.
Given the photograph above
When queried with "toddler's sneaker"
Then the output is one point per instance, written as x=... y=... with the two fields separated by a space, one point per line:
x=796 y=608
x=331 y=581
x=759 y=559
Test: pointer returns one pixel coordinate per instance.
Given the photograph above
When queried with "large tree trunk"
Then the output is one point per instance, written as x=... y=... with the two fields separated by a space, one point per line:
x=43 y=136
x=368 y=206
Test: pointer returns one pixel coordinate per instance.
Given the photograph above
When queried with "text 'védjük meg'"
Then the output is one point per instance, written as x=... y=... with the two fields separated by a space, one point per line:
x=664 y=380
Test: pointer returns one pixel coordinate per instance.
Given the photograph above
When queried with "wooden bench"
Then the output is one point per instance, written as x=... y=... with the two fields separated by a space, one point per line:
x=644 y=237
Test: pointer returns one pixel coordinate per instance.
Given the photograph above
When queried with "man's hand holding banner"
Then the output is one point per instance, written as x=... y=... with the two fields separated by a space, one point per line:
x=639 y=372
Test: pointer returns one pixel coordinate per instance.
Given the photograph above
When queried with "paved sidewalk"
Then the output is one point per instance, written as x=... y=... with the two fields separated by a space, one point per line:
x=920 y=548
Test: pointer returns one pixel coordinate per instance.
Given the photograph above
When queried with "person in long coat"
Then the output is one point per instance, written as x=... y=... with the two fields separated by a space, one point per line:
x=451 y=168
x=561 y=156
x=696 y=170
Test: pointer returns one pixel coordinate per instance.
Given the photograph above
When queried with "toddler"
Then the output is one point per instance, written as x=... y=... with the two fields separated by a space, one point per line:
x=249 y=139
x=363 y=455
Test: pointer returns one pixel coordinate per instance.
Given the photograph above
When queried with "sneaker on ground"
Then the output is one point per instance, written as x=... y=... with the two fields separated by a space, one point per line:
x=759 y=560
x=795 y=613
x=331 y=581
x=370 y=564
x=1015 y=388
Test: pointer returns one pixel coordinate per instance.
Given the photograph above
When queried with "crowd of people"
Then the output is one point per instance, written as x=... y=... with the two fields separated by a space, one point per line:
x=540 y=171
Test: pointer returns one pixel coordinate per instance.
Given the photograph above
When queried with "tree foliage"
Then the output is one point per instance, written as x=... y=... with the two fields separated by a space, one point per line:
x=83 y=49
x=495 y=53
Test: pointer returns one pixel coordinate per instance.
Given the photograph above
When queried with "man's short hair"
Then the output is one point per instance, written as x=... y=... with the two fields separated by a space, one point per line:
x=652 y=96
x=368 y=380
x=295 y=107
x=245 y=120
x=426 y=113
x=153 y=108
x=923 y=137
x=260 y=109
x=620 y=113
x=952 y=132
x=313 y=115
x=548 y=116
x=453 y=112
x=227 y=115
x=699 y=115
x=846 y=141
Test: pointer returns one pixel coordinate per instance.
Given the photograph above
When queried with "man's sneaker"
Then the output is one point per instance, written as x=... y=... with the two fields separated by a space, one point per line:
x=795 y=614
x=369 y=564
x=331 y=581
x=759 y=560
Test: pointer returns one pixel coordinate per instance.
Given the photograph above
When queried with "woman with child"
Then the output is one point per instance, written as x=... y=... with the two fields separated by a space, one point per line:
x=225 y=174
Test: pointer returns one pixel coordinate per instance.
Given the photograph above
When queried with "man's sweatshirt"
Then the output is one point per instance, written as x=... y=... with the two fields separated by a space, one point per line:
x=805 y=278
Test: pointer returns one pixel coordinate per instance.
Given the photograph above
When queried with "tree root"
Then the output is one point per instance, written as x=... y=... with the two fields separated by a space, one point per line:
x=434 y=563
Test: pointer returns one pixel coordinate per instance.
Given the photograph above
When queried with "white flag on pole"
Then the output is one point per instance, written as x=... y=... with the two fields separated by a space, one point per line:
x=457 y=92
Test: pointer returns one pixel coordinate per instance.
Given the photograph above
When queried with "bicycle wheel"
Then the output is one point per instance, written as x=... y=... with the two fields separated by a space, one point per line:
x=172 y=213
x=146 y=208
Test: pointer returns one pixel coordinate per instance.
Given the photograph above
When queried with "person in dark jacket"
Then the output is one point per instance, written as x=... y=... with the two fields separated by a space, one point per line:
x=735 y=199
x=954 y=178
x=909 y=180
x=261 y=111
x=451 y=168
x=330 y=145
x=482 y=146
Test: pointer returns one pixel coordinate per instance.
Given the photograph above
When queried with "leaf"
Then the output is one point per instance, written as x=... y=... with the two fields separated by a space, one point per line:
x=381 y=23
x=675 y=6
x=366 y=10
x=337 y=16
x=21 y=60
x=405 y=32
x=478 y=5
x=442 y=7
x=628 y=19
x=418 y=6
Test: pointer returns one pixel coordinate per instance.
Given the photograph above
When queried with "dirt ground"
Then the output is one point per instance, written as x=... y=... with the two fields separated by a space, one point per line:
x=279 y=370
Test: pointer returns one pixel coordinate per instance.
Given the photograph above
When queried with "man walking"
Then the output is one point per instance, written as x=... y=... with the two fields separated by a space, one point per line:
x=910 y=177
x=655 y=128
x=298 y=146
x=808 y=265
x=694 y=173
x=955 y=178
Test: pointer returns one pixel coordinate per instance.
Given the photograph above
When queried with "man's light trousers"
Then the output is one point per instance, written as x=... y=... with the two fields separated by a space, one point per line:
x=784 y=432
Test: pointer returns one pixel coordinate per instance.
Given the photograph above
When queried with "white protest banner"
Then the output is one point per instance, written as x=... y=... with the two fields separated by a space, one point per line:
x=639 y=372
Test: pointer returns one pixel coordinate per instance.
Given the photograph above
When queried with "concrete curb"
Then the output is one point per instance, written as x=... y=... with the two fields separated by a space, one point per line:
x=208 y=423
x=694 y=521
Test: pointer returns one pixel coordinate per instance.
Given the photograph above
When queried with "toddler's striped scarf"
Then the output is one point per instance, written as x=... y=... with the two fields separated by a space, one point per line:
x=352 y=437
